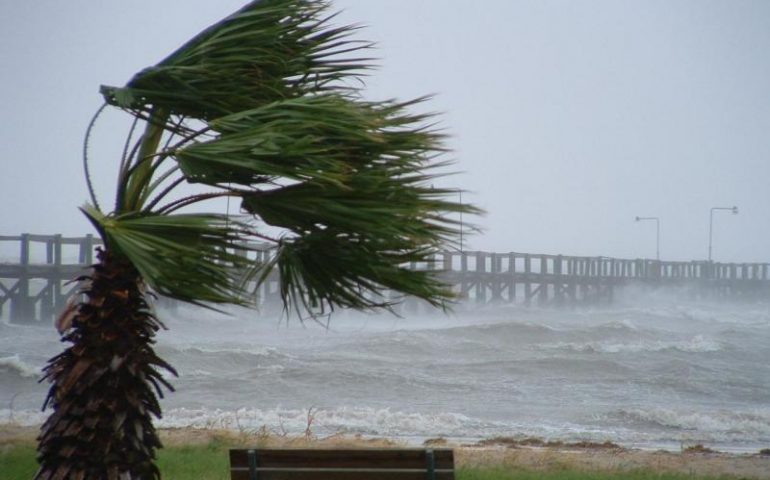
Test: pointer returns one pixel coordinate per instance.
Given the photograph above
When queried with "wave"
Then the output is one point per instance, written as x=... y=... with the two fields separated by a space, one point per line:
x=717 y=425
x=257 y=351
x=253 y=371
x=696 y=344
x=329 y=421
x=531 y=331
x=219 y=359
x=17 y=366
x=662 y=427
x=23 y=418
x=699 y=314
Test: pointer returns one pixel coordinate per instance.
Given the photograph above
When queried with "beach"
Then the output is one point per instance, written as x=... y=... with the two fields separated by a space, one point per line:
x=504 y=454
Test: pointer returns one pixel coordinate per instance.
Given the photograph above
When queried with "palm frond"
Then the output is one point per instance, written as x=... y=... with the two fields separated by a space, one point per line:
x=347 y=179
x=324 y=270
x=268 y=50
x=326 y=137
x=190 y=257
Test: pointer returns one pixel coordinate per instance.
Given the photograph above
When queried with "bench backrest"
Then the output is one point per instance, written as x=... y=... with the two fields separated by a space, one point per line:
x=362 y=464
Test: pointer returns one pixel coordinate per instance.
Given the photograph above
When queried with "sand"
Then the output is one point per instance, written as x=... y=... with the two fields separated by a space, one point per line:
x=597 y=458
x=531 y=454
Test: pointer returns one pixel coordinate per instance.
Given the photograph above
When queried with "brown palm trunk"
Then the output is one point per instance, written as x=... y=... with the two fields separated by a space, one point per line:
x=105 y=386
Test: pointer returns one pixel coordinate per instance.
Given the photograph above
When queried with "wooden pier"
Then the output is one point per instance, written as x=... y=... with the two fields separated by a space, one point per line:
x=559 y=280
x=36 y=284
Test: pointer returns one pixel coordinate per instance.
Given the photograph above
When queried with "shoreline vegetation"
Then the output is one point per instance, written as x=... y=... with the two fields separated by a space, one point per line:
x=202 y=454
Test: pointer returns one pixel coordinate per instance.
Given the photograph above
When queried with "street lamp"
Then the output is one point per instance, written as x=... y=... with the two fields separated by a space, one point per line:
x=711 y=222
x=460 y=192
x=657 y=233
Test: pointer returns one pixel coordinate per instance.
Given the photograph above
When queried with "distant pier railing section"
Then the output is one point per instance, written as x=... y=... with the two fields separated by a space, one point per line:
x=37 y=283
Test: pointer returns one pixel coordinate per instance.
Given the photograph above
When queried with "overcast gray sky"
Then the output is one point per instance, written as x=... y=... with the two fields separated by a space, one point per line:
x=568 y=118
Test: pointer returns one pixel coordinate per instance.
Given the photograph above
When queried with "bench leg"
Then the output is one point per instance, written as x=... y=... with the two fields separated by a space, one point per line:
x=253 y=465
x=430 y=459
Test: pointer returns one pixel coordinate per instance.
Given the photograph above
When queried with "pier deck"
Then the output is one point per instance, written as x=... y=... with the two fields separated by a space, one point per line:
x=37 y=283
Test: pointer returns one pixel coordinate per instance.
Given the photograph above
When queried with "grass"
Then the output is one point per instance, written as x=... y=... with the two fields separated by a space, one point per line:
x=188 y=461
x=17 y=461
x=209 y=461
x=503 y=474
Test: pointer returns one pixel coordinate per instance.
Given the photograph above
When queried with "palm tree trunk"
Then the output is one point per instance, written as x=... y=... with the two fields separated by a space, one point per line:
x=104 y=385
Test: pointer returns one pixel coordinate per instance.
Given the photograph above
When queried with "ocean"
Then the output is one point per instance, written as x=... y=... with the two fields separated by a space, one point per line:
x=649 y=371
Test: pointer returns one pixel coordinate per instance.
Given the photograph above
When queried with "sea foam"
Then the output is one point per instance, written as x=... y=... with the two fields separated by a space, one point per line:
x=696 y=344
x=16 y=365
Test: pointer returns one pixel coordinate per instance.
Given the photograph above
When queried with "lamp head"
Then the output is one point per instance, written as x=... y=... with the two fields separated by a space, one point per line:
x=735 y=210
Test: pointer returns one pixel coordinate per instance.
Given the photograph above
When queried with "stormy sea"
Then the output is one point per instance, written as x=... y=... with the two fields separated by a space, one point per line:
x=648 y=371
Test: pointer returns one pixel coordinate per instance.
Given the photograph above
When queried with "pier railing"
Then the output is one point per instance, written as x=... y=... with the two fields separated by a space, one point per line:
x=36 y=281
x=605 y=267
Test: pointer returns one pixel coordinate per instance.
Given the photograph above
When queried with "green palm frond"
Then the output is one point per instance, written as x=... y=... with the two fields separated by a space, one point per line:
x=190 y=257
x=324 y=269
x=372 y=202
x=269 y=50
x=350 y=244
x=261 y=108
x=326 y=137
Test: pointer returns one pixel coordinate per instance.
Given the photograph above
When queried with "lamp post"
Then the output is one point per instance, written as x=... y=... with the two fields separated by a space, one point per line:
x=711 y=222
x=460 y=192
x=657 y=233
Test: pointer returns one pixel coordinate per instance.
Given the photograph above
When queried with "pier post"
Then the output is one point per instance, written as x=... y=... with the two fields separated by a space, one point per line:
x=86 y=254
x=511 y=277
x=496 y=282
x=464 y=284
x=481 y=287
x=543 y=296
x=20 y=301
x=558 y=281
x=527 y=279
x=51 y=297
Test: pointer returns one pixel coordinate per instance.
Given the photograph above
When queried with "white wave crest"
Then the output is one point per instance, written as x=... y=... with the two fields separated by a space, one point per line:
x=24 y=418
x=327 y=421
x=16 y=365
x=259 y=351
x=696 y=344
x=713 y=425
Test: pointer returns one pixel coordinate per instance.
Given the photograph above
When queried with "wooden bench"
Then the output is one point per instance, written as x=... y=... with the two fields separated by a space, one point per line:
x=362 y=464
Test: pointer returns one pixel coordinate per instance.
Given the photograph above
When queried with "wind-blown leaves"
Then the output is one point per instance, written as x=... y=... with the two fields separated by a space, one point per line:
x=269 y=50
x=191 y=257
x=327 y=137
x=276 y=122
x=324 y=269
x=373 y=202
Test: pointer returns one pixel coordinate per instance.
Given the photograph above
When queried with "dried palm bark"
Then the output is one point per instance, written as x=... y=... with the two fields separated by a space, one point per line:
x=105 y=386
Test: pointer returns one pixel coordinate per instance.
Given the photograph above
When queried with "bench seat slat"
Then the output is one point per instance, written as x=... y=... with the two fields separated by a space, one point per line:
x=361 y=470
x=384 y=458
x=344 y=464
x=341 y=475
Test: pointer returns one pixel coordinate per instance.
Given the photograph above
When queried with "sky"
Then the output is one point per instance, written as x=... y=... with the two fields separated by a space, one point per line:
x=567 y=118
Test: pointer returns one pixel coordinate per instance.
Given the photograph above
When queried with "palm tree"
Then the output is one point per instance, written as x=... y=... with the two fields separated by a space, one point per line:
x=263 y=107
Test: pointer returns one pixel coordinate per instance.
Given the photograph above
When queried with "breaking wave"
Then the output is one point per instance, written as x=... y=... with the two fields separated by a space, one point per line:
x=13 y=365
